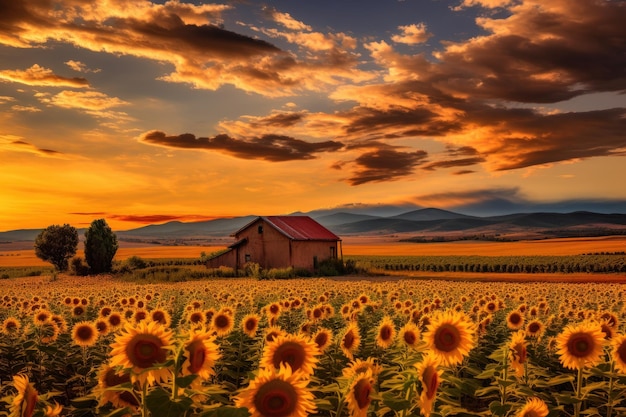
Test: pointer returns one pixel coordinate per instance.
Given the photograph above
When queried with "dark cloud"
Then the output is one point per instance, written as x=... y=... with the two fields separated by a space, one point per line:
x=159 y=218
x=278 y=120
x=558 y=137
x=385 y=165
x=453 y=163
x=275 y=148
x=545 y=54
x=173 y=33
x=461 y=151
x=463 y=172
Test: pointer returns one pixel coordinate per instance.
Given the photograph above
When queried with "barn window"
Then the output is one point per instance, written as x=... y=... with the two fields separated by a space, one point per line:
x=247 y=257
x=260 y=228
x=332 y=252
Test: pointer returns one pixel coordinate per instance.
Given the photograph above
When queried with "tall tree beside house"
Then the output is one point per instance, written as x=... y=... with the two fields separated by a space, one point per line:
x=57 y=244
x=100 y=247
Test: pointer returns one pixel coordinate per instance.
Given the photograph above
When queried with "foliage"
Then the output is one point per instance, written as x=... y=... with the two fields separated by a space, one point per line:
x=78 y=267
x=483 y=384
x=100 y=246
x=57 y=244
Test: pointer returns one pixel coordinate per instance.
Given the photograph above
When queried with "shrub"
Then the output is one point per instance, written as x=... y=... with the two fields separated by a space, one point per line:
x=136 y=262
x=78 y=267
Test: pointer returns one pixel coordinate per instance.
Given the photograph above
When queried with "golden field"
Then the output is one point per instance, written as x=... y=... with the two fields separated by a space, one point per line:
x=382 y=246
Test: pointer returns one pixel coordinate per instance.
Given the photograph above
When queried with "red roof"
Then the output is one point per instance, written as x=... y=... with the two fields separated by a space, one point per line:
x=298 y=228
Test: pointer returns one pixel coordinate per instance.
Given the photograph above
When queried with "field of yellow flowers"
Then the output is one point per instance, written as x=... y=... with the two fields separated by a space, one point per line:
x=99 y=347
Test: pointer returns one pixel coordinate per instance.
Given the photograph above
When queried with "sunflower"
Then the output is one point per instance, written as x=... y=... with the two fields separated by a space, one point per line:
x=517 y=352
x=11 y=326
x=107 y=390
x=323 y=338
x=580 y=345
x=534 y=407
x=619 y=353
x=297 y=351
x=273 y=310
x=410 y=335
x=41 y=317
x=60 y=322
x=273 y=332
x=85 y=333
x=78 y=311
x=350 y=341
x=535 y=328
x=102 y=327
x=278 y=393
x=451 y=336
x=359 y=395
x=48 y=332
x=222 y=323
x=386 y=333
x=430 y=378
x=115 y=320
x=196 y=318
x=358 y=366
x=142 y=346
x=250 y=324
x=53 y=411
x=25 y=400
x=514 y=320
x=201 y=353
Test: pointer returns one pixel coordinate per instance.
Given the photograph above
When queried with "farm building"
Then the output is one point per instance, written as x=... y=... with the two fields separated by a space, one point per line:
x=280 y=242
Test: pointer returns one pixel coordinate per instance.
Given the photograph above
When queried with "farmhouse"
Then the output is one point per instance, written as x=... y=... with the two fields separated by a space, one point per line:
x=280 y=242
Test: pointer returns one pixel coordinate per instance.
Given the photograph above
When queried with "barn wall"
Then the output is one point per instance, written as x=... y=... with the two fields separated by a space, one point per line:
x=270 y=249
x=304 y=252
x=225 y=259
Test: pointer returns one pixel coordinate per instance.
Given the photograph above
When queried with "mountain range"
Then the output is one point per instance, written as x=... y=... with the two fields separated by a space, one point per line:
x=422 y=224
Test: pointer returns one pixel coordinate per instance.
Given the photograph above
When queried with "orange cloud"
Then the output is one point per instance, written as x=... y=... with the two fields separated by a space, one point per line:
x=275 y=148
x=412 y=34
x=40 y=76
x=10 y=143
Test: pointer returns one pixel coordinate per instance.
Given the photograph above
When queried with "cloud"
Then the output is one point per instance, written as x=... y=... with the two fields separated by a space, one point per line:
x=85 y=100
x=412 y=34
x=384 y=165
x=80 y=67
x=159 y=218
x=275 y=148
x=40 y=76
x=10 y=143
x=286 y=20
x=453 y=163
x=27 y=109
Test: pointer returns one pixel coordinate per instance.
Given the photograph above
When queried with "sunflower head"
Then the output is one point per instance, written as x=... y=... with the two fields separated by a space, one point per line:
x=351 y=340
x=517 y=352
x=25 y=401
x=534 y=407
x=201 y=353
x=323 y=338
x=85 y=333
x=451 y=336
x=250 y=324
x=580 y=345
x=297 y=351
x=142 y=348
x=386 y=333
x=359 y=395
x=429 y=376
x=410 y=335
x=277 y=392
x=107 y=389
x=222 y=323
x=618 y=353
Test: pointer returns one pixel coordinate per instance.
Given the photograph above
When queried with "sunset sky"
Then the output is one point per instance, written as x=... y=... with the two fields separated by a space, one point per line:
x=143 y=112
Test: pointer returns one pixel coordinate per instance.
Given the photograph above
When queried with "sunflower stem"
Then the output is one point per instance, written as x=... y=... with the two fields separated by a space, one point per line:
x=144 y=394
x=579 y=391
x=609 y=398
x=505 y=374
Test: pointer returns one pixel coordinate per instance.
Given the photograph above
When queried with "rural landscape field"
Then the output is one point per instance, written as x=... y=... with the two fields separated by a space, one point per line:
x=387 y=341
x=255 y=208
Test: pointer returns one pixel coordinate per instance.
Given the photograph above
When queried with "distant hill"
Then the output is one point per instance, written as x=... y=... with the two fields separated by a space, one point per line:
x=422 y=224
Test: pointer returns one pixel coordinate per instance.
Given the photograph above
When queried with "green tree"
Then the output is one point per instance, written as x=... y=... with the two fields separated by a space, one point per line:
x=57 y=244
x=100 y=246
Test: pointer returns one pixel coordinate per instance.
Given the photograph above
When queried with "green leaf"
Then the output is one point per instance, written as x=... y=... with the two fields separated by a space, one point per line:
x=160 y=404
x=120 y=412
x=185 y=381
x=226 y=411
x=498 y=409
x=396 y=404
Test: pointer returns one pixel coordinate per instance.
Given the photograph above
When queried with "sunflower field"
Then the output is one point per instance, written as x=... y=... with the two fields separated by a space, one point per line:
x=95 y=346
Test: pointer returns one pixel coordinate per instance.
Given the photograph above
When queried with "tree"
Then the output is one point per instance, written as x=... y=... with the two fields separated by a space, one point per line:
x=100 y=246
x=57 y=244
